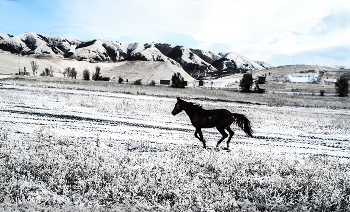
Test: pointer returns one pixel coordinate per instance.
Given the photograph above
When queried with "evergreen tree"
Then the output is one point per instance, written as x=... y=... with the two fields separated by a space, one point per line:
x=177 y=81
x=96 y=76
x=86 y=74
x=342 y=86
x=246 y=82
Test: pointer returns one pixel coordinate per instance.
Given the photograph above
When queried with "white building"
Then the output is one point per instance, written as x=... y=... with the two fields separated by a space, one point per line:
x=308 y=77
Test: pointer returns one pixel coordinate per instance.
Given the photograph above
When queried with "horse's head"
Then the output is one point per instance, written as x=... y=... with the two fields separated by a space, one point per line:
x=179 y=106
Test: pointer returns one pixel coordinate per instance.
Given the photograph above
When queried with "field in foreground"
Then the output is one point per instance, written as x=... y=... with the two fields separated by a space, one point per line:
x=74 y=147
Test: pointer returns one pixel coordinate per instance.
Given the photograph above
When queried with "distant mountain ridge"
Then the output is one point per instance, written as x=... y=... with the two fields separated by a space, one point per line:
x=198 y=63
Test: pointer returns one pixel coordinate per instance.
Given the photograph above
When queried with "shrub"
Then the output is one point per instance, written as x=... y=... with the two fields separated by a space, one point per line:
x=322 y=92
x=86 y=74
x=177 y=81
x=47 y=72
x=342 y=86
x=152 y=83
x=137 y=82
x=246 y=82
x=104 y=78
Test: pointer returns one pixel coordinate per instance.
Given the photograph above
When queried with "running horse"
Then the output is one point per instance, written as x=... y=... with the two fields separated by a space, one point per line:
x=219 y=118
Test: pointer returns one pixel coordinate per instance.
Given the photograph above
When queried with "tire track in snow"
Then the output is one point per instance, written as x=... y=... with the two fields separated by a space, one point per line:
x=81 y=118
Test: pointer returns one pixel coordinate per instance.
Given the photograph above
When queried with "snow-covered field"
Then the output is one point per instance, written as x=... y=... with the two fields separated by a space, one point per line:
x=83 y=149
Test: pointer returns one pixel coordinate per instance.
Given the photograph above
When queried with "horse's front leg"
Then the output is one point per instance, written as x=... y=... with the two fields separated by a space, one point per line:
x=200 y=137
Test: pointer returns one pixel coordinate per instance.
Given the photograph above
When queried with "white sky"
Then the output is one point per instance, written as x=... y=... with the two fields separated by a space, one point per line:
x=278 y=32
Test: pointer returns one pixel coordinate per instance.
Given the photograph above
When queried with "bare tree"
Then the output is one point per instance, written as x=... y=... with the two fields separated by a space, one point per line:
x=70 y=72
x=67 y=71
x=35 y=66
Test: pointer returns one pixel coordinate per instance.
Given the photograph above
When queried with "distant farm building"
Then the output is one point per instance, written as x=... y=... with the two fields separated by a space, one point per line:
x=308 y=77
x=261 y=79
x=201 y=83
x=330 y=80
x=165 y=82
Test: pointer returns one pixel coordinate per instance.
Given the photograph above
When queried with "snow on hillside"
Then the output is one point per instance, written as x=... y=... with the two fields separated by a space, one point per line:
x=207 y=56
x=148 y=52
x=3 y=36
x=189 y=57
x=32 y=43
x=102 y=50
x=196 y=62
x=15 y=44
x=242 y=62
x=264 y=64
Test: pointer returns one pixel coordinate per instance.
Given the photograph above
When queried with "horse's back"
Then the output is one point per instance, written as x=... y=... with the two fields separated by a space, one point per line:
x=218 y=111
x=214 y=118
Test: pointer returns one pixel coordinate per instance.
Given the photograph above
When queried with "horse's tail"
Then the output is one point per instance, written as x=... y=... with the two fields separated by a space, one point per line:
x=242 y=121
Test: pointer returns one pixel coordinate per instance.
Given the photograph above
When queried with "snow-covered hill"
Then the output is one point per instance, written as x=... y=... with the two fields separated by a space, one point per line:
x=196 y=62
x=32 y=43
x=264 y=64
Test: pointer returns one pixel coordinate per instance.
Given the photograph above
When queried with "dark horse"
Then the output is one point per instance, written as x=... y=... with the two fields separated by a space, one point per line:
x=220 y=118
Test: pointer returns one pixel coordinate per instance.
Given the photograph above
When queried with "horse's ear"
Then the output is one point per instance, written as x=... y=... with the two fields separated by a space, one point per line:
x=178 y=98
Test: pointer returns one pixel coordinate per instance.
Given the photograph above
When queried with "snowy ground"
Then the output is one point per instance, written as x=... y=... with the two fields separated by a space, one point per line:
x=139 y=118
x=72 y=147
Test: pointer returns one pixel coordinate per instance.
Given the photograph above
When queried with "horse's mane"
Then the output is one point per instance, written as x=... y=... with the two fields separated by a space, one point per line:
x=194 y=106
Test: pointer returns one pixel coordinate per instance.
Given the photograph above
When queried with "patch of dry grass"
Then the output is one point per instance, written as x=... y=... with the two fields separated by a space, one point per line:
x=54 y=172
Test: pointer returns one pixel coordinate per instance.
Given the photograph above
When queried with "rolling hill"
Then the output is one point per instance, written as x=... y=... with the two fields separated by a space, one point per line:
x=197 y=63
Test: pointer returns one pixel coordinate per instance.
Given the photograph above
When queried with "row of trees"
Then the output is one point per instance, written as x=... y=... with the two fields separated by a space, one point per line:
x=46 y=72
x=177 y=81
x=96 y=76
x=70 y=72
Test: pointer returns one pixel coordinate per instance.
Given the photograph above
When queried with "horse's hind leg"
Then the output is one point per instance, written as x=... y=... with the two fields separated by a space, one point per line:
x=231 y=134
x=224 y=135
x=200 y=137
